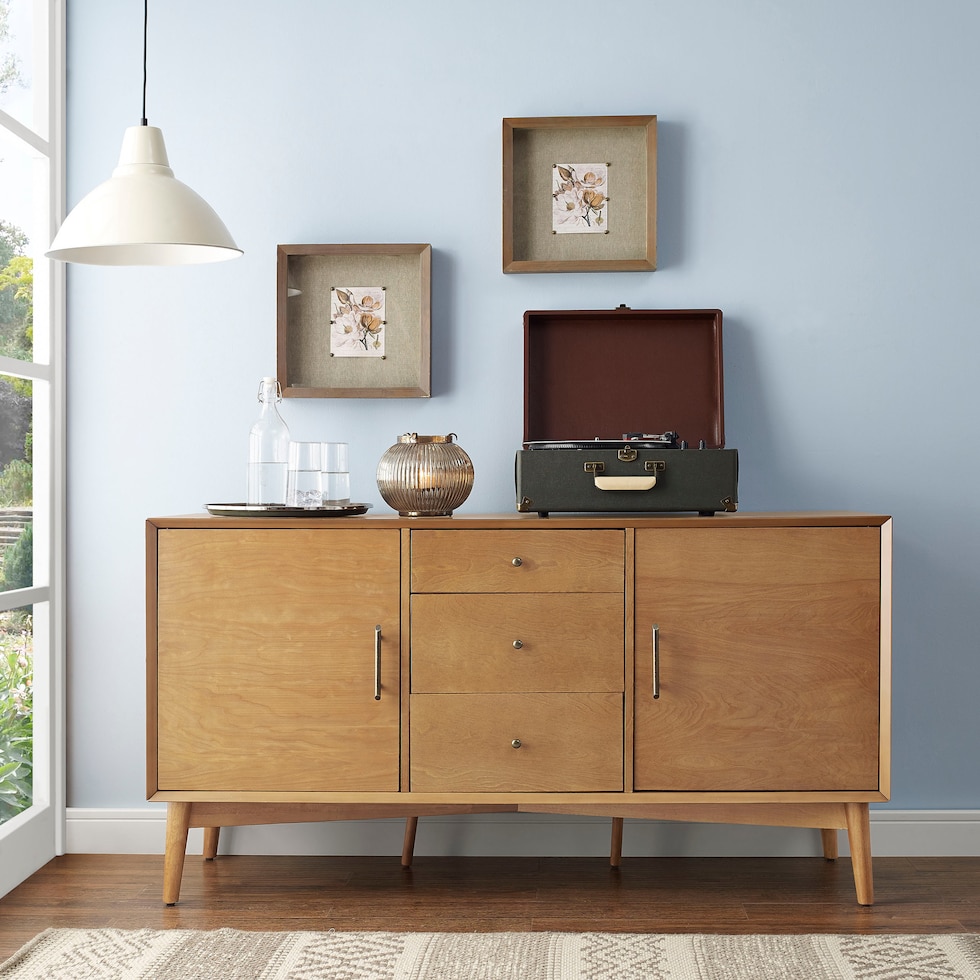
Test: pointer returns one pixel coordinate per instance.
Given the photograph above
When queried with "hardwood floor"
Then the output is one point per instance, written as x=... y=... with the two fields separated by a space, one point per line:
x=719 y=895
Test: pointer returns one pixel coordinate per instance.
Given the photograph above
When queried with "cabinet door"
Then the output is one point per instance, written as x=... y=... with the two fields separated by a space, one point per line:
x=266 y=658
x=768 y=658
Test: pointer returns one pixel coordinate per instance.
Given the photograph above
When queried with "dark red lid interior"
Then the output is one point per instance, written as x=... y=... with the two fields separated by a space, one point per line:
x=599 y=374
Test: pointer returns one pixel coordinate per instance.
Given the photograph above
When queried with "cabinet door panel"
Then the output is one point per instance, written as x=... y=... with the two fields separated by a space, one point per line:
x=463 y=743
x=517 y=561
x=266 y=660
x=769 y=658
x=536 y=642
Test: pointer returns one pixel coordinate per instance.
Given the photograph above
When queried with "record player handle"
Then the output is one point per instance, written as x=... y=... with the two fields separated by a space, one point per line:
x=646 y=482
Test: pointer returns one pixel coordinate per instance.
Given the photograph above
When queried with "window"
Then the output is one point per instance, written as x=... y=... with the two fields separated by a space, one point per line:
x=31 y=438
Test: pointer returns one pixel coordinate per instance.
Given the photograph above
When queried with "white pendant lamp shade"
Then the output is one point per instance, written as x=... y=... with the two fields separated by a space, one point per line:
x=143 y=215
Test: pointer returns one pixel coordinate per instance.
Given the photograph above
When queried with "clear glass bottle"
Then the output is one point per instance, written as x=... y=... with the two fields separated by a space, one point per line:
x=268 y=449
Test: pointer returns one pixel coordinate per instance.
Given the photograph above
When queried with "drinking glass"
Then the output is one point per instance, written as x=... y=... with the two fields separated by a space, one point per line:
x=304 y=486
x=334 y=473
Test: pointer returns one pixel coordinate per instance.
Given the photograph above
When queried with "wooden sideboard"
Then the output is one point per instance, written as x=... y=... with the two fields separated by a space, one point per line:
x=729 y=669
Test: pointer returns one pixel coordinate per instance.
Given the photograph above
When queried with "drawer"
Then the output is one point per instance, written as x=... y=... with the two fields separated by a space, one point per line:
x=567 y=743
x=519 y=643
x=518 y=561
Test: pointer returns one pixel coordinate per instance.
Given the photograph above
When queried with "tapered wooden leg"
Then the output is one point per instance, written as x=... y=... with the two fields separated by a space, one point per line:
x=859 y=839
x=616 y=843
x=178 y=821
x=408 y=847
x=211 y=842
x=829 y=840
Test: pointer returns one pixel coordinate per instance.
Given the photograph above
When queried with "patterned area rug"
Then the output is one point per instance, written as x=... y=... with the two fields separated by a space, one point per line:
x=117 y=954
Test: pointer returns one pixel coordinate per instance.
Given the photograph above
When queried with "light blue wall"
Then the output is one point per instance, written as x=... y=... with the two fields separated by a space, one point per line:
x=817 y=182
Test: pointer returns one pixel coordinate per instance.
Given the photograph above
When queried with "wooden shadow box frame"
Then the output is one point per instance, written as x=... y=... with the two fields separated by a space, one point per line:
x=533 y=146
x=305 y=277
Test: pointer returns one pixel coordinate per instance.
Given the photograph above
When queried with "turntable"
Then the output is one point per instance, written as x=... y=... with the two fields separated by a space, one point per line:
x=611 y=373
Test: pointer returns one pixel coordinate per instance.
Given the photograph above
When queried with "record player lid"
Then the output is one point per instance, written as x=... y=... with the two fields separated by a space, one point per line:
x=608 y=372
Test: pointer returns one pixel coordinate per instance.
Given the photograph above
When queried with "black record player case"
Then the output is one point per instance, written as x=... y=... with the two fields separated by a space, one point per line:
x=624 y=412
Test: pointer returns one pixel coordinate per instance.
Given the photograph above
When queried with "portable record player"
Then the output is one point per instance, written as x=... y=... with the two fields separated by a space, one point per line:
x=624 y=412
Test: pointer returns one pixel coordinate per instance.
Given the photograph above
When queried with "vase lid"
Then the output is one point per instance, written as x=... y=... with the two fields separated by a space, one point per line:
x=415 y=437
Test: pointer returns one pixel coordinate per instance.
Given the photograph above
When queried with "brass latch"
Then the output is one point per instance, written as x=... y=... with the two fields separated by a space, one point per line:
x=649 y=466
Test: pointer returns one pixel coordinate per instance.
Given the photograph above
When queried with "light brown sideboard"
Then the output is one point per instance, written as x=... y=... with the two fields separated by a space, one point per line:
x=729 y=669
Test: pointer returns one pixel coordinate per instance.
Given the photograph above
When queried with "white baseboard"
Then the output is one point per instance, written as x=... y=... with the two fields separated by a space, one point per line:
x=894 y=833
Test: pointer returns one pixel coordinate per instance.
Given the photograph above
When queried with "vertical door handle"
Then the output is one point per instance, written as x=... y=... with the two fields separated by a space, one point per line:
x=377 y=663
x=656 y=660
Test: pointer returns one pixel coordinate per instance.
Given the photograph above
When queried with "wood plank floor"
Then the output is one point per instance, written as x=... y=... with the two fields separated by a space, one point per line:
x=718 y=895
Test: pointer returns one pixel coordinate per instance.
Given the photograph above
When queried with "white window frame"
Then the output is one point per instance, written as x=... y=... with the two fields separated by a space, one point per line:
x=32 y=838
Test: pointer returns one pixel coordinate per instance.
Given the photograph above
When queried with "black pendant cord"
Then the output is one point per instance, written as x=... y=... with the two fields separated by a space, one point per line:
x=146 y=4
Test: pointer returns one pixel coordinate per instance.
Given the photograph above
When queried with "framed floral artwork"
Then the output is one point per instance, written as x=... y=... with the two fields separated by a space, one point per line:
x=580 y=194
x=353 y=321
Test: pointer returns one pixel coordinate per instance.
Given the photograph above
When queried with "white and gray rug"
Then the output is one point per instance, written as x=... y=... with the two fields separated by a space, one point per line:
x=228 y=954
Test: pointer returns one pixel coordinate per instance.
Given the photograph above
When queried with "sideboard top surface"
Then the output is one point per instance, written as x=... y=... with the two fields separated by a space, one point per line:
x=533 y=521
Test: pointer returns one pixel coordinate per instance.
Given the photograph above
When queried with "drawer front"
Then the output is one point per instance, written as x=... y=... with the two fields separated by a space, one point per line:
x=519 y=643
x=567 y=743
x=518 y=561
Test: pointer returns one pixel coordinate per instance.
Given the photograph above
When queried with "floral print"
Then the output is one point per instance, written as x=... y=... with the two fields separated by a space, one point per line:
x=357 y=321
x=580 y=195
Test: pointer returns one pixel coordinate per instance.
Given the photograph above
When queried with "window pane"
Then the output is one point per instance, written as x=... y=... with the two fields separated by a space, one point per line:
x=17 y=59
x=16 y=484
x=16 y=711
x=19 y=171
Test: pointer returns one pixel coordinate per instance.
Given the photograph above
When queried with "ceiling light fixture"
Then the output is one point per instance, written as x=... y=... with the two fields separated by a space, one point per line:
x=143 y=215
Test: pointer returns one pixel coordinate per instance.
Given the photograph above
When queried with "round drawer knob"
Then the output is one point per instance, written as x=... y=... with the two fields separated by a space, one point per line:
x=518 y=644
x=516 y=743
x=517 y=561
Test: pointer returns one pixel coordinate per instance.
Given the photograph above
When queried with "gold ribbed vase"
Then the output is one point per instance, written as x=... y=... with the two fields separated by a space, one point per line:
x=425 y=476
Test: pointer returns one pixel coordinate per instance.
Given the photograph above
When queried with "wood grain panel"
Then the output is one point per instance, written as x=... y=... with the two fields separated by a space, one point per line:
x=769 y=665
x=266 y=660
x=549 y=561
x=568 y=642
x=462 y=743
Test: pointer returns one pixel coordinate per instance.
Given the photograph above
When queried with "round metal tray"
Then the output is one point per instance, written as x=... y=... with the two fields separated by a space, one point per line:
x=282 y=510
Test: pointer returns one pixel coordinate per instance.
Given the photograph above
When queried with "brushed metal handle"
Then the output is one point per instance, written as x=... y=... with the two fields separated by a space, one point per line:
x=517 y=562
x=518 y=644
x=377 y=663
x=656 y=660
x=516 y=743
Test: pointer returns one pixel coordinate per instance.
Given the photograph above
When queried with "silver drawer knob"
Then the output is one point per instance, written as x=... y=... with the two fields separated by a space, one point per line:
x=517 y=561
x=518 y=644
x=516 y=743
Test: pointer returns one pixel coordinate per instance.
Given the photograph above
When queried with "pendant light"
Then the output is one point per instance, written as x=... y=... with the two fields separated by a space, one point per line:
x=143 y=215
